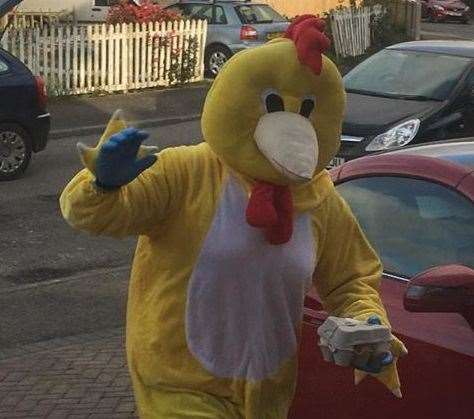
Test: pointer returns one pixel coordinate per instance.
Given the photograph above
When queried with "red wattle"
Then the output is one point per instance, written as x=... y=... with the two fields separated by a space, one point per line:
x=281 y=232
x=270 y=208
x=260 y=210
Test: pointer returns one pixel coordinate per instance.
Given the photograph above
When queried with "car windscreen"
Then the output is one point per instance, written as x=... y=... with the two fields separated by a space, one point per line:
x=407 y=75
x=258 y=13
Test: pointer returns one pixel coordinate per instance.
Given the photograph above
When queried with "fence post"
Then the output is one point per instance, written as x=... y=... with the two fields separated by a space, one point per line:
x=60 y=40
x=110 y=57
x=97 y=45
x=103 y=53
x=169 y=46
x=124 y=56
x=149 y=54
x=162 y=54
x=197 y=34
x=75 y=51
x=67 y=72
x=89 y=85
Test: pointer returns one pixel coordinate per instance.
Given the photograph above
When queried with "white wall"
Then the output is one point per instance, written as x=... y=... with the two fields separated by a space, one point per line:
x=50 y=5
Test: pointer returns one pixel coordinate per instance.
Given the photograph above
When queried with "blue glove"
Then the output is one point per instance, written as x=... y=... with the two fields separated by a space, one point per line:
x=117 y=162
x=376 y=363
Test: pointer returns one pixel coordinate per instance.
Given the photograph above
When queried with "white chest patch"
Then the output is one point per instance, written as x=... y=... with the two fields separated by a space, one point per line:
x=245 y=298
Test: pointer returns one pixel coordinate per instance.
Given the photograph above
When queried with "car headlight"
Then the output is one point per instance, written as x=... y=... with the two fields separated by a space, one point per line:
x=436 y=7
x=397 y=136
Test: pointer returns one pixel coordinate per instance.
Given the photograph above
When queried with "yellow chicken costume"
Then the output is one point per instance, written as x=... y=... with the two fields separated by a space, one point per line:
x=232 y=234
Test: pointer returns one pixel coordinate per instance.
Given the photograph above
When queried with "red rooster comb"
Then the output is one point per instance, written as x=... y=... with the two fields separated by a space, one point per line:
x=307 y=32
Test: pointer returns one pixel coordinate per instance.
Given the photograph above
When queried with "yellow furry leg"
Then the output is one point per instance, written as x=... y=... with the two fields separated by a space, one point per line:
x=180 y=404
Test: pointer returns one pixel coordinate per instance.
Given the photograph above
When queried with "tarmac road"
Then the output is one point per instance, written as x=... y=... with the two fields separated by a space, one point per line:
x=449 y=30
x=54 y=281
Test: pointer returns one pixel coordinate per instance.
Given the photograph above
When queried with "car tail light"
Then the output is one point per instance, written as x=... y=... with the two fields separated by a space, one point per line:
x=41 y=91
x=248 y=33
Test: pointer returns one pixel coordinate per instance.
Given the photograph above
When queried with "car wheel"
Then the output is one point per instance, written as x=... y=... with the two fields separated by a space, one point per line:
x=15 y=151
x=216 y=57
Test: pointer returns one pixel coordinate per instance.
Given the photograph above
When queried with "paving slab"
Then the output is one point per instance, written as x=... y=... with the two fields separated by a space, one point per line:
x=83 y=376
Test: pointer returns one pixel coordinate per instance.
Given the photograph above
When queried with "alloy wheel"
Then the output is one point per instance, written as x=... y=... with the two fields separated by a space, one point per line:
x=12 y=152
x=217 y=61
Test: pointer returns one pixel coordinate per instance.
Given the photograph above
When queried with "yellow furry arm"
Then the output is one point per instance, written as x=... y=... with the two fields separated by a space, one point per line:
x=133 y=209
x=348 y=276
x=348 y=273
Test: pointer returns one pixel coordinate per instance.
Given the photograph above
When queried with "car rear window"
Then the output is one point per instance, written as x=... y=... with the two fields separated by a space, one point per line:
x=258 y=13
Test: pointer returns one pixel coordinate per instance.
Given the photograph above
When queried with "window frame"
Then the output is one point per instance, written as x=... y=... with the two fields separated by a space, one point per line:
x=451 y=188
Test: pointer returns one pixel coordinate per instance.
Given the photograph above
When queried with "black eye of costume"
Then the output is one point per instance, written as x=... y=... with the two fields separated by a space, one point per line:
x=307 y=106
x=273 y=102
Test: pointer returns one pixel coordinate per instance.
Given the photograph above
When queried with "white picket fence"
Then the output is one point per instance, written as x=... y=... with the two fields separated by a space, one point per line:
x=351 y=26
x=90 y=58
x=351 y=32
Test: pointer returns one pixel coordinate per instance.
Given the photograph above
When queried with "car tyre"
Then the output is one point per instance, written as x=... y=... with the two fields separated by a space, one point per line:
x=216 y=56
x=15 y=151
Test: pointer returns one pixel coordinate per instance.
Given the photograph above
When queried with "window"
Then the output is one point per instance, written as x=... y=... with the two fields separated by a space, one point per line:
x=219 y=16
x=198 y=11
x=105 y=3
x=256 y=13
x=176 y=9
x=412 y=224
x=3 y=66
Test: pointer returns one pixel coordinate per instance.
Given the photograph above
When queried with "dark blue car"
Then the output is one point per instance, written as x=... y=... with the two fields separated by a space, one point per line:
x=24 y=119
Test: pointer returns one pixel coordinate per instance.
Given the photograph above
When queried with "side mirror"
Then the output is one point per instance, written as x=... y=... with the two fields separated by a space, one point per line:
x=444 y=289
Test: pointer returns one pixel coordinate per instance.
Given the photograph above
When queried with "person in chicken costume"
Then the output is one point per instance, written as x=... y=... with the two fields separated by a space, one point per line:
x=232 y=233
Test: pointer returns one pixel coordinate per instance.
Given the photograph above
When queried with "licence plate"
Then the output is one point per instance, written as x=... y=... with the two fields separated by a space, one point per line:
x=274 y=35
x=454 y=14
x=336 y=161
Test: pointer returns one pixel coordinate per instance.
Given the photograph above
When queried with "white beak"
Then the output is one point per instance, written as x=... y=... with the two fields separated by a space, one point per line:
x=289 y=142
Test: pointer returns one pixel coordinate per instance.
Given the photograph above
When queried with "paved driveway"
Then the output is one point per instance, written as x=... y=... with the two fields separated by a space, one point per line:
x=447 y=30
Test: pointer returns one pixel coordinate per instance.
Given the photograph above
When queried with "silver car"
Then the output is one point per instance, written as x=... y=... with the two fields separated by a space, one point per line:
x=233 y=26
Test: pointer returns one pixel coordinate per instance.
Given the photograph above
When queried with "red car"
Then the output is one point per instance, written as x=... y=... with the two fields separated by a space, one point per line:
x=444 y=10
x=416 y=207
